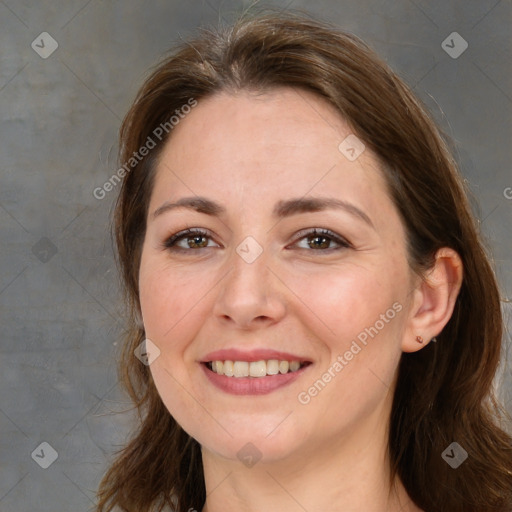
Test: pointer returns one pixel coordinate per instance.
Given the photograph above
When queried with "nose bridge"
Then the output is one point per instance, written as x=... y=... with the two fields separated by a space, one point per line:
x=249 y=291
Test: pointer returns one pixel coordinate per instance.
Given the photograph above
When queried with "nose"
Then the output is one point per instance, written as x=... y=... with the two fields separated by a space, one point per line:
x=251 y=296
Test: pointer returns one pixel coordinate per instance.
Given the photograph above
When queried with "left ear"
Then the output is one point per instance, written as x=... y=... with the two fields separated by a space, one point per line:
x=434 y=300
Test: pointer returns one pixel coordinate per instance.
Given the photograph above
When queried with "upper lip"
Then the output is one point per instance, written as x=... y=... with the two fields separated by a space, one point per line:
x=233 y=354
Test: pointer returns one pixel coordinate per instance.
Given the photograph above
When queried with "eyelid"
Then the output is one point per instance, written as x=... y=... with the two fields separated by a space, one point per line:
x=169 y=242
x=338 y=239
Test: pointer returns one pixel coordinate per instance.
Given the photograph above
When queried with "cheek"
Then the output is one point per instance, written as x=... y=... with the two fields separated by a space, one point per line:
x=356 y=317
x=172 y=311
x=168 y=298
x=342 y=303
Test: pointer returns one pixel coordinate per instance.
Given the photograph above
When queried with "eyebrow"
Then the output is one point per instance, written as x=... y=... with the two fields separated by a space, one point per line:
x=282 y=209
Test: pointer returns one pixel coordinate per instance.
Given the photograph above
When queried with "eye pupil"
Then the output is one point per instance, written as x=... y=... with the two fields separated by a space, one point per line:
x=197 y=243
x=323 y=245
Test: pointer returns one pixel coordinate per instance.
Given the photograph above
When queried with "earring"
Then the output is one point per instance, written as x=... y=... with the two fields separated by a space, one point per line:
x=419 y=339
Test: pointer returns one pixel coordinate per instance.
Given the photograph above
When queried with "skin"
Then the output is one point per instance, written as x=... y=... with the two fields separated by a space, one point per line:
x=248 y=151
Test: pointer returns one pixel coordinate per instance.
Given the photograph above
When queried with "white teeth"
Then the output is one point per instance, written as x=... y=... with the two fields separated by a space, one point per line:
x=228 y=369
x=241 y=369
x=254 y=368
x=272 y=367
x=283 y=366
x=294 y=366
x=257 y=369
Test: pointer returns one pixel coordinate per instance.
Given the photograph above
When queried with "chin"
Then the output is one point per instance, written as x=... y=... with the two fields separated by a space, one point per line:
x=254 y=438
x=250 y=452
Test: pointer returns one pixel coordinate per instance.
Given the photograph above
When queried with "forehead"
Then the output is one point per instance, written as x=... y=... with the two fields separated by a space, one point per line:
x=249 y=147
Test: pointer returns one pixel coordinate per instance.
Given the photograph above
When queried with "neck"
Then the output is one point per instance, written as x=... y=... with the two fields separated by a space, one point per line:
x=350 y=476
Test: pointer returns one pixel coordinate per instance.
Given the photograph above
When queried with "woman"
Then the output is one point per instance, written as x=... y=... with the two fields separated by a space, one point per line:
x=320 y=319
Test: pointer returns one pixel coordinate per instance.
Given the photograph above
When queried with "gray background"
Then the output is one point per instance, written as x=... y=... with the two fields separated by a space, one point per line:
x=59 y=302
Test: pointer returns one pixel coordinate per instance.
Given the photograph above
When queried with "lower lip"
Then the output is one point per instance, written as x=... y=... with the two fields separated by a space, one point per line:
x=252 y=385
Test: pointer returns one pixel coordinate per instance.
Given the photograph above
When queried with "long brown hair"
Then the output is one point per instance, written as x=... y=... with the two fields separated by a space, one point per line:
x=444 y=391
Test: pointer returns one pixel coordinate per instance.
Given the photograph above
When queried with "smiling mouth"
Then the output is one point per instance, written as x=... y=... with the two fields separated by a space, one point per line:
x=256 y=369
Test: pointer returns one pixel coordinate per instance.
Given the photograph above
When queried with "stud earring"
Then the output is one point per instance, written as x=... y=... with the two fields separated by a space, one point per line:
x=419 y=339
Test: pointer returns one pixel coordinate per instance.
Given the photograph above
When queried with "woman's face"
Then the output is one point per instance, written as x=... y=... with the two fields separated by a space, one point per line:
x=259 y=285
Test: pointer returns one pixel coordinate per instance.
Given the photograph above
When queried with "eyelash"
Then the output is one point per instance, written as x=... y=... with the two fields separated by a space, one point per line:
x=170 y=243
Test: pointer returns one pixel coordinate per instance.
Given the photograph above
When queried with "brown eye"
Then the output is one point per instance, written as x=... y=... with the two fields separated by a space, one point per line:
x=192 y=238
x=322 y=239
x=196 y=241
x=319 y=242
